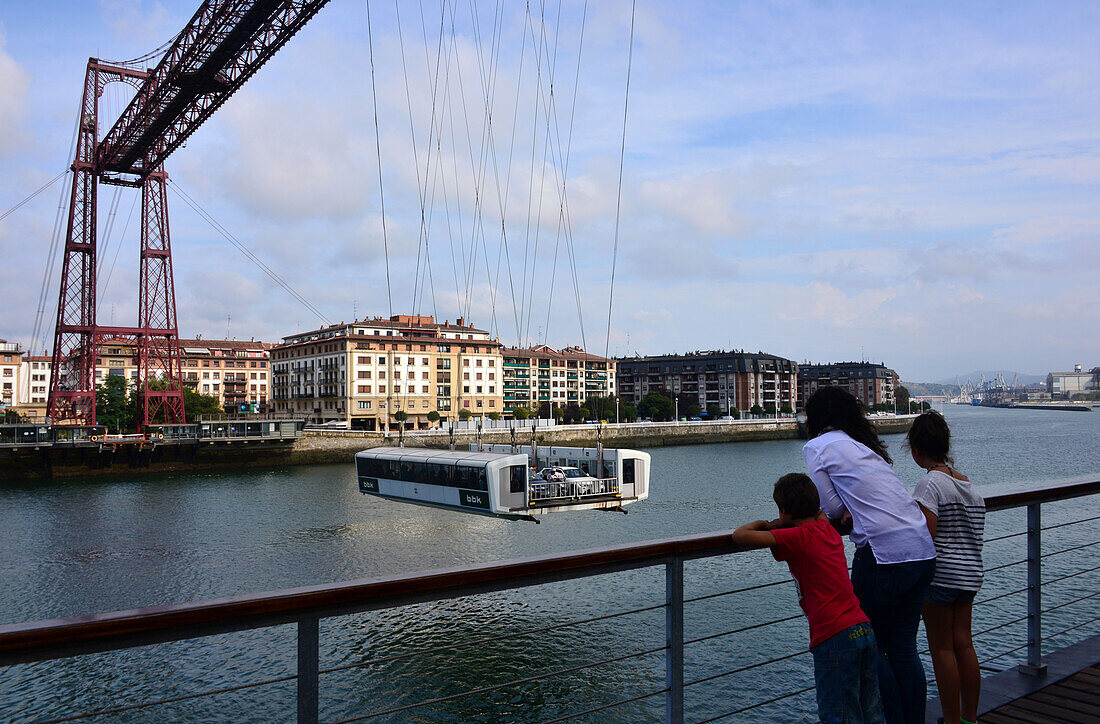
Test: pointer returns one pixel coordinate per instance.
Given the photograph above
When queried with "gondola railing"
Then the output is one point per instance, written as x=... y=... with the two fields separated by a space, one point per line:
x=542 y=491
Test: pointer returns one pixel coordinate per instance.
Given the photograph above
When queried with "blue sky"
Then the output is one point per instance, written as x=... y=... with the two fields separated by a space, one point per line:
x=912 y=183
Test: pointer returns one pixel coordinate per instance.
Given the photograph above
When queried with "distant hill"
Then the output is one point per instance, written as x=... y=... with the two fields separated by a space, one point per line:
x=921 y=389
x=976 y=376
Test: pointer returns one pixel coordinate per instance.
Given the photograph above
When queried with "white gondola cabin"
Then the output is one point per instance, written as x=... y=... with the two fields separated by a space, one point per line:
x=502 y=483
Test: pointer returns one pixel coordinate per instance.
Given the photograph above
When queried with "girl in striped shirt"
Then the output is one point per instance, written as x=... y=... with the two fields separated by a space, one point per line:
x=955 y=514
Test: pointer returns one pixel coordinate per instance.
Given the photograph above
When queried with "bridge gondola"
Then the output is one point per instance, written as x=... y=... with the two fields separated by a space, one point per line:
x=502 y=483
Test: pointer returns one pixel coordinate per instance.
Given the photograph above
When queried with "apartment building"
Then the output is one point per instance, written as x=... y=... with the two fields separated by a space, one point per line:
x=34 y=390
x=872 y=384
x=24 y=381
x=735 y=379
x=11 y=364
x=236 y=372
x=534 y=376
x=366 y=371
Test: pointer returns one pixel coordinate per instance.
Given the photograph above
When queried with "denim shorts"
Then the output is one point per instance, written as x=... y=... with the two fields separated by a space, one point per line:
x=943 y=596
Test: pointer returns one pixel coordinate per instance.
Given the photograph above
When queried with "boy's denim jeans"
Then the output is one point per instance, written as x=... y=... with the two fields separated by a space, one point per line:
x=892 y=596
x=845 y=673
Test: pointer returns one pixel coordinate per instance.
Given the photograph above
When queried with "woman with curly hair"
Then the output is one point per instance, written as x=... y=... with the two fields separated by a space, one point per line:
x=895 y=558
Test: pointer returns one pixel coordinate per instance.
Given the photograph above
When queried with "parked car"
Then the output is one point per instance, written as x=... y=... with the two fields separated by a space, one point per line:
x=570 y=473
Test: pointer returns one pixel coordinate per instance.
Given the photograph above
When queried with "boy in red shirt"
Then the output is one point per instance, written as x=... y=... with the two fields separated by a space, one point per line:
x=841 y=639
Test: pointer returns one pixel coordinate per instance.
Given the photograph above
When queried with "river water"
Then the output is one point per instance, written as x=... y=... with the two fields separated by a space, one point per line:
x=92 y=545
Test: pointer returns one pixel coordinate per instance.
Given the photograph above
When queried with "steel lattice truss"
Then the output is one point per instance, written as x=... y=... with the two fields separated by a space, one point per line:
x=225 y=43
x=222 y=46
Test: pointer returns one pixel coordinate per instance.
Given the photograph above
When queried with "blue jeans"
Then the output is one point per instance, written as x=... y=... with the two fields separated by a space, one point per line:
x=891 y=596
x=844 y=671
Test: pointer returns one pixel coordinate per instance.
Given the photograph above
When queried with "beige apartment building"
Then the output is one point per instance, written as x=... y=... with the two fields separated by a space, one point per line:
x=365 y=372
x=539 y=375
x=237 y=373
x=24 y=381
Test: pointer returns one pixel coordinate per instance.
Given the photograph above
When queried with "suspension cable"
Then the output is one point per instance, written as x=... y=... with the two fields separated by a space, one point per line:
x=619 y=199
x=248 y=253
x=37 y=191
x=378 y=151
x=118 y=247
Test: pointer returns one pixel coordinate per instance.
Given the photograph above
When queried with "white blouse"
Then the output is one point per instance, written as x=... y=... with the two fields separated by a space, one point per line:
x=850 y=476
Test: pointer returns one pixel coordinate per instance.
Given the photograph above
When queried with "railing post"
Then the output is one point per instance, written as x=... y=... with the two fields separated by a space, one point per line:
x=1034 y=665
x=307 y=670
x=674 y=641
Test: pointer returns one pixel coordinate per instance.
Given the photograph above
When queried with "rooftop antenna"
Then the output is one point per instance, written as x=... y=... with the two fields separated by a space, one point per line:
x=228 y=319
x=355 y=309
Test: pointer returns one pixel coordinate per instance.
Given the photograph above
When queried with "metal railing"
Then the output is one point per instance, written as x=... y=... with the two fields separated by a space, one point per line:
x=307 y=606
x=542 y=491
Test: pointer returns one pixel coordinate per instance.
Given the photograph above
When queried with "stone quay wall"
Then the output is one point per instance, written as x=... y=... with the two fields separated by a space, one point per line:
x=318 y=447
x=330 y=446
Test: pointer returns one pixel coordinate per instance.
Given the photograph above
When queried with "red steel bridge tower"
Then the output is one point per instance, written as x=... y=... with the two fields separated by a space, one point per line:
x=222 y=46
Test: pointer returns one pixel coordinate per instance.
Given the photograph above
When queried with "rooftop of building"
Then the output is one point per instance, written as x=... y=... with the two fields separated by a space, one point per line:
x=198 y=345
x=545 y=351
x=704 y=355
x=397 y=321
x=859 y=369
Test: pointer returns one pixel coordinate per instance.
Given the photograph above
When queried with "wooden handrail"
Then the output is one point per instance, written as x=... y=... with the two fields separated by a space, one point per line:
x=57 y=638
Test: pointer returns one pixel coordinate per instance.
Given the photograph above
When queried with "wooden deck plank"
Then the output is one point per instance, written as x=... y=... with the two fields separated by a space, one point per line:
x=1074 y=699
x=1043 y=711
x=996 y=717
x=1081 y=707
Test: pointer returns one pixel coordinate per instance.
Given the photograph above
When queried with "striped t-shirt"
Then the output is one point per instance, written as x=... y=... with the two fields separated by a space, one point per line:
x=960 y=526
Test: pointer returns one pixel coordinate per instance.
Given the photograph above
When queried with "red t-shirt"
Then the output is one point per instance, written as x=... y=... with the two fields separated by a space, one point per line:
x=815 y=554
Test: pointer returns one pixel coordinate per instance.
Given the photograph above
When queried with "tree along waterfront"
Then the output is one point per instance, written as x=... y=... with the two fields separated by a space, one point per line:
x=77 y=547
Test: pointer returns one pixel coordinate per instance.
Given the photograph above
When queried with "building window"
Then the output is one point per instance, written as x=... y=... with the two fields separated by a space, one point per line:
x=364 y=404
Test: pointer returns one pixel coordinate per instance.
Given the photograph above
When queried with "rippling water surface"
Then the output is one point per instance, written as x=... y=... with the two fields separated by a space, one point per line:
x=79 y=547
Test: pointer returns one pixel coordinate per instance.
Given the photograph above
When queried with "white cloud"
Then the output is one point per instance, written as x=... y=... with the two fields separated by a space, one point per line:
x=801 y=178
x=14 y=84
